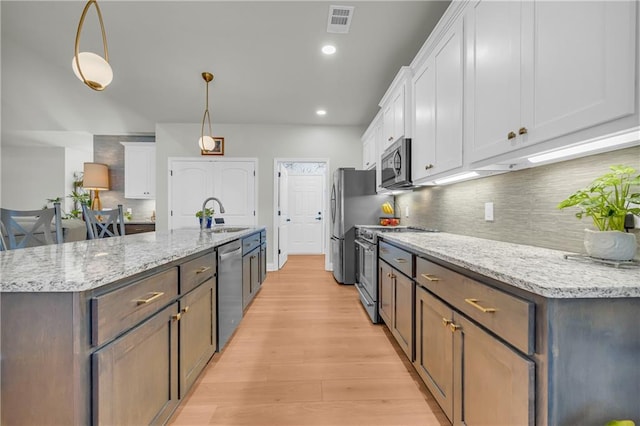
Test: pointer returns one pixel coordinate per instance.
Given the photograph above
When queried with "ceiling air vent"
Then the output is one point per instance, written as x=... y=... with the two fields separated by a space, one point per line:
x=339 y=19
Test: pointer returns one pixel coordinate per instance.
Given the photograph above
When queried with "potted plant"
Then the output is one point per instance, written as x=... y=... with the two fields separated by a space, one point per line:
x=608 y=200
x=208 y=214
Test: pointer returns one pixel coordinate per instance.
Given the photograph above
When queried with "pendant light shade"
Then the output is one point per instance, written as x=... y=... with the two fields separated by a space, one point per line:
x=92 y=69
x=206 y=142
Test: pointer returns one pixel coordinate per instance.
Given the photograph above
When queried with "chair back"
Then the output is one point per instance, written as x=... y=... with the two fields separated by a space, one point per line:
x=29 y=228
x=103 y=223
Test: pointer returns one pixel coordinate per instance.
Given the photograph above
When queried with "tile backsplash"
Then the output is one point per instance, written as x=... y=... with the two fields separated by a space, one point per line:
x=108 y=150
x=524 y=203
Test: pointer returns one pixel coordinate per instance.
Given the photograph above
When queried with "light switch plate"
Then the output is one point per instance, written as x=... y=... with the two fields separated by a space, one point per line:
x=488 y=212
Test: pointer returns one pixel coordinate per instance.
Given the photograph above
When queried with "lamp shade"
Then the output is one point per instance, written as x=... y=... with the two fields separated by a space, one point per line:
x=96 y=176
x=96 y=70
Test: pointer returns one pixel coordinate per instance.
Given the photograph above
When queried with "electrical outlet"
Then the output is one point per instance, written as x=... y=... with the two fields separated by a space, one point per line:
x=488 y=212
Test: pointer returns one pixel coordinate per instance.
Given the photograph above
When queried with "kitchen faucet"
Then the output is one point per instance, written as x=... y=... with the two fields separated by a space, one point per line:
x=204 y=217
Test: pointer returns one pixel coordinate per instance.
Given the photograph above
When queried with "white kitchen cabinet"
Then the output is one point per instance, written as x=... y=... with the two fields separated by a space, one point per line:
x=192 y=180
x=395 y=121
x=139 y=170
x=436 y=145
x=370 y=143
x=541 y=70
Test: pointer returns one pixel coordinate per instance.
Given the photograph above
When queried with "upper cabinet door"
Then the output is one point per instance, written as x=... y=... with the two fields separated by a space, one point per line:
x=438 y=99
x=394 y=106
x=139 y=170
x=580 y=68
x=493 y=77
x=540 y=70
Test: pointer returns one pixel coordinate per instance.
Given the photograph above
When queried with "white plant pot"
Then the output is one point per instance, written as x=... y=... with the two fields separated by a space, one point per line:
x=610 y=245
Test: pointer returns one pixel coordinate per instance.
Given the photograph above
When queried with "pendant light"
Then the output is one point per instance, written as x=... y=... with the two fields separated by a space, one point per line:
x=206 y=142
x=90 y=68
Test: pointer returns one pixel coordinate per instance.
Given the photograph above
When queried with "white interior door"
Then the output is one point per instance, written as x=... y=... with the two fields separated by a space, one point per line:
x=234 y=185
x=306 y=201
x=190 y=182
x=283 y=215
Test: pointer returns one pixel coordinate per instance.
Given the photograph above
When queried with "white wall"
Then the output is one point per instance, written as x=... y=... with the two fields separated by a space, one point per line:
x=30 y=176
x=341 y=144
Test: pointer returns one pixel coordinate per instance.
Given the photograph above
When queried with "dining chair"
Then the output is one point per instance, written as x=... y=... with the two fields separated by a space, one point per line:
x=104 y=223
x=29 y=228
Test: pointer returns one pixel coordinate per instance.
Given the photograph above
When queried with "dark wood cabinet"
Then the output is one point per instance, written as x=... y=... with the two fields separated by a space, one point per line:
x=434 y=348
x=198 y=332
x=137 y=228
x=135 y=377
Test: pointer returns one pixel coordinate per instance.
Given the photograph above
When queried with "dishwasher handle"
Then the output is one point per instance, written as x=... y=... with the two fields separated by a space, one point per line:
x=223 y=256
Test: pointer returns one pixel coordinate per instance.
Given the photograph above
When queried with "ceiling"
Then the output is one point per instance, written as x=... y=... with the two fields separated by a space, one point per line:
x=265 y=57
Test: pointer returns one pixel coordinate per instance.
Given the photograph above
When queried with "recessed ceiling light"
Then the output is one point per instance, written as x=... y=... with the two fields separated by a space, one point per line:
x=321 y=112
x=328 y=49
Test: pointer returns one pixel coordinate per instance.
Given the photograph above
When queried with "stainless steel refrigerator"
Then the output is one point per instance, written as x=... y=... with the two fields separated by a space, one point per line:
x=353 y=201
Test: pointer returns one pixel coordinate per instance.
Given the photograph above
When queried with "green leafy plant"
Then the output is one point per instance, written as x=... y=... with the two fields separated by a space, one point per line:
x=608 y=199
x=79 y=198
x=620 y=423
x=208 y=212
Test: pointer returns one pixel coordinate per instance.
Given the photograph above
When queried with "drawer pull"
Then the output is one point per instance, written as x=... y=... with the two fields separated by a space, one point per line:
x=390 y=275
x=176 y=317
x=430 y=277
x=474 y=303
x=400 y=260
x=446 y=322
x=155 y=295
x=185 y=309
x=511 y=135
x=203 y=269
x=454 y=327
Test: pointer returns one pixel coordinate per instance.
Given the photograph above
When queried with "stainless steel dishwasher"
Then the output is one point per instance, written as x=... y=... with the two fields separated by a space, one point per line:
x=229 y=290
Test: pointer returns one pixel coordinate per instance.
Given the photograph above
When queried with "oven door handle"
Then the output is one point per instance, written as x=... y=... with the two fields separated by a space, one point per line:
x=366 y=298
x=367 y=247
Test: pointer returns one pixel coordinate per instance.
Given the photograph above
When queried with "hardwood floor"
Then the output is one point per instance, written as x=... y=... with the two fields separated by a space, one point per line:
x=307 y=354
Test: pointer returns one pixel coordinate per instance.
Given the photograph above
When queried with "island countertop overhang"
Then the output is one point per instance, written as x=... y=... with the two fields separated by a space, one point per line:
x=88 y=265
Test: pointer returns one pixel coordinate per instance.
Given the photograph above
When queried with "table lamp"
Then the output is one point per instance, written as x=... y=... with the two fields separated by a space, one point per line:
x=96 y=178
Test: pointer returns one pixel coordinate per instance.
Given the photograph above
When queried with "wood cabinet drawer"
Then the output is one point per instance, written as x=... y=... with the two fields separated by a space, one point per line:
x=397 y=258
x=137 y=228
x=251 y=242
x=510 y=317
x=196 y=271
x=121 y=309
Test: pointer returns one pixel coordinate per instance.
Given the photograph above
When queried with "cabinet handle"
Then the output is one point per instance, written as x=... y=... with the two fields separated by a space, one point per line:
x=176 y=317
x=390 y=138
x=453 y=327
x=511 y=135
x=156 y=295
x=430 y=277
x=474 y=303
x=203 y=269
x=400 y=260
x=446 y=322
x=522 y=131
x=390 y=275
x=428 y=166
x=252 y=257
x=185 y=309
x=383 y=250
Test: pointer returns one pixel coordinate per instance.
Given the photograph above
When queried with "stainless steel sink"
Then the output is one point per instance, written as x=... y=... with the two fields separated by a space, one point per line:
x=225 y=230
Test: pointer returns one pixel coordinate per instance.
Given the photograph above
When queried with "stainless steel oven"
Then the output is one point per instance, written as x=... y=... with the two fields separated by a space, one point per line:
x=367 y=271
x=367 y=263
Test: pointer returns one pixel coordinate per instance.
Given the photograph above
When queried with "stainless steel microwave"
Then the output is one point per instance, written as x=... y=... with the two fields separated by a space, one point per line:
x=396 y=165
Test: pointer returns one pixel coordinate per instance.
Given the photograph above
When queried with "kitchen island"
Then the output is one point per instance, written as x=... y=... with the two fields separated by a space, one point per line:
x=504 y=333
x=110 y=331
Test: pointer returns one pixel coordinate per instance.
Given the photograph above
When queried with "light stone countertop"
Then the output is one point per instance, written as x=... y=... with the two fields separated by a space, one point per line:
x=538 y=270
x=86 y=265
